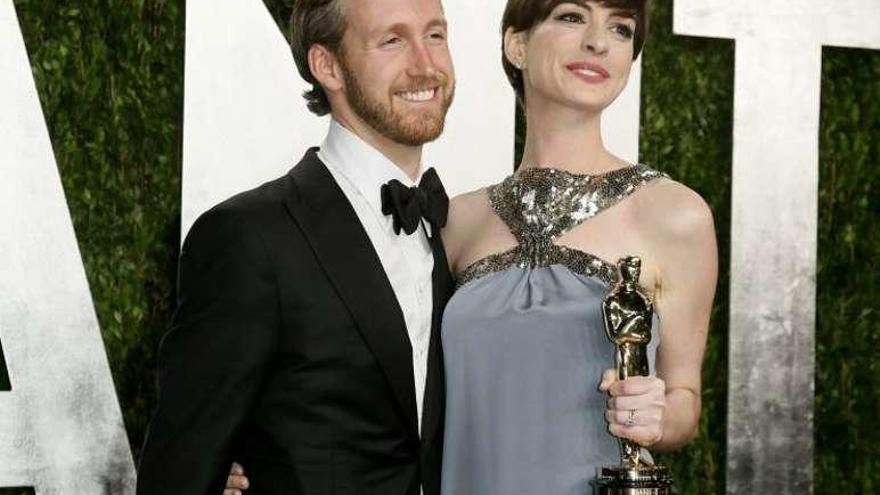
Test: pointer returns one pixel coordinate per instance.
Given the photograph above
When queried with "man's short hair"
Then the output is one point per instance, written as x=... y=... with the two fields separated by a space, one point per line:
x=315 y=22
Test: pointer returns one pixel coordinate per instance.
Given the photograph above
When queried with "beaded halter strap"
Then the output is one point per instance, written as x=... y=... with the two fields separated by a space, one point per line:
x=540 y=204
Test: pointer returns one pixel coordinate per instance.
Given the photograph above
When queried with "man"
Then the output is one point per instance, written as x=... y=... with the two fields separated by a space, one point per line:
x=306 y=343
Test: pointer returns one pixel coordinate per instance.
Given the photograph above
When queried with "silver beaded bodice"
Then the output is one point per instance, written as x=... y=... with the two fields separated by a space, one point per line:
x=540 y=204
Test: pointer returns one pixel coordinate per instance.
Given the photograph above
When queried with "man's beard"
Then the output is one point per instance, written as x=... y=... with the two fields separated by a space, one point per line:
x=413 y=131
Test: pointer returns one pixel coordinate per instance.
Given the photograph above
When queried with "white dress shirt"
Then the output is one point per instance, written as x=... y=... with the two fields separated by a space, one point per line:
x=361 y=170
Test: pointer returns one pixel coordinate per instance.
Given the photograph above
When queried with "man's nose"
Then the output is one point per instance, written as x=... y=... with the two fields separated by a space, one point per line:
x=421 y=61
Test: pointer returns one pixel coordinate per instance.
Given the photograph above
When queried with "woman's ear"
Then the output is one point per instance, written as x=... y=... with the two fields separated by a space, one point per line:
x=515 y=48
x=324 y=65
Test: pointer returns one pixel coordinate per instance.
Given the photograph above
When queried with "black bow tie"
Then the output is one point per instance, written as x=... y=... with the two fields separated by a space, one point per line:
x=407 y=205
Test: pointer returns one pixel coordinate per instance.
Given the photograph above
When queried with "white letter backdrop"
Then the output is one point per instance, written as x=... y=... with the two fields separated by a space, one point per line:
x=61 y=428
x=774 y=223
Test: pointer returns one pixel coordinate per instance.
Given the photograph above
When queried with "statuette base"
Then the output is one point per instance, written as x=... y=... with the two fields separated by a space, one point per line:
x=624 y=480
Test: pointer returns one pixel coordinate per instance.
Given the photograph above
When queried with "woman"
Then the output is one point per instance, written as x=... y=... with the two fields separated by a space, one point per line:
x=528 y=362
x=523 y=336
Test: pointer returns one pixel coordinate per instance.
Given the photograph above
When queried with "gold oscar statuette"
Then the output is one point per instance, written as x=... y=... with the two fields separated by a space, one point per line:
x=628 y=315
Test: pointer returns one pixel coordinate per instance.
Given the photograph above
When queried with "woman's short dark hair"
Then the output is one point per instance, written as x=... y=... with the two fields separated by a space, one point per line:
x=315 y=22
x=523 y=15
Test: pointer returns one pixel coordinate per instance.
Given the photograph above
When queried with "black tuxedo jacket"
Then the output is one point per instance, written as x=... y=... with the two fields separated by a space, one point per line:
x=289 y=353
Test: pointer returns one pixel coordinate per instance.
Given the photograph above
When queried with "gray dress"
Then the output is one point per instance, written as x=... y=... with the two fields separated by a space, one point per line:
x=525 y=345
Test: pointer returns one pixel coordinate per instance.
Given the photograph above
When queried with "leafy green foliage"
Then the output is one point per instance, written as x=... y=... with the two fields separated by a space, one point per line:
x=110 y=77
x=16 y=491
x=847 y=458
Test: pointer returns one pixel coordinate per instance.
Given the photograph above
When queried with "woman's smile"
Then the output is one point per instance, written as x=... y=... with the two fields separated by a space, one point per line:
x=588 y=72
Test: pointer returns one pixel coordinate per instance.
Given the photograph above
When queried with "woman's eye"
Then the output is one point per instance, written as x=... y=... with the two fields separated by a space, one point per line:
x=570 y=17
x=623 y=31
x=438 y=36
x=392 y=41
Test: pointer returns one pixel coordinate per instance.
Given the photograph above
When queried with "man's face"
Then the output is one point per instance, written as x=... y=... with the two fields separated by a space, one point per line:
x=397 y=70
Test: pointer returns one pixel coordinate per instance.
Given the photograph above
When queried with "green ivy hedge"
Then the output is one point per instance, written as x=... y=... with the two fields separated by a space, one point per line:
x=110 y=78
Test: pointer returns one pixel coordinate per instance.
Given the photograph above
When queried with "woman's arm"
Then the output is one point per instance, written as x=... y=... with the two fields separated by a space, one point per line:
x=688 y=276
x=681 y=240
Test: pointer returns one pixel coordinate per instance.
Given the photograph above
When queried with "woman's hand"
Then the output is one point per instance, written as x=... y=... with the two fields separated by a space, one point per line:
x=236 y=483
x=637 y=407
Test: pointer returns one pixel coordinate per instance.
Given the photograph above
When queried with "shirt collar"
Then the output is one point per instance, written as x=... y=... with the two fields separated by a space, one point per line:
x=361 y=164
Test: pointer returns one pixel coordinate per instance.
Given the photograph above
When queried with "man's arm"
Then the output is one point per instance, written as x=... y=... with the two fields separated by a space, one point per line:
x=212 y=362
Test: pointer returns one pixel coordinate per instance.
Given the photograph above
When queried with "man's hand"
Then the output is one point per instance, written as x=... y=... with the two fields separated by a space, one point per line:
x=637 y=407
x=236 y=483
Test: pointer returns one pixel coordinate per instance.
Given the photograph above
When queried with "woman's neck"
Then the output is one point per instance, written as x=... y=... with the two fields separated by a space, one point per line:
x=567 y=139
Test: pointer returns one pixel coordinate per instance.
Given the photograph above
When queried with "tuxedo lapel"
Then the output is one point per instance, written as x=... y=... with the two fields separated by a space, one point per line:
x=346 y=254
x=435 y=387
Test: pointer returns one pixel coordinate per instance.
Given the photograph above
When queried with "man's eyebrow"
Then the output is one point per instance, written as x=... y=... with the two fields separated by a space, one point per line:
x=402 y=26
x=438 y=22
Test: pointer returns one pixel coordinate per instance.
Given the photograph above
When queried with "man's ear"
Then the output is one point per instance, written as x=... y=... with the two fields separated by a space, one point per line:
x=515 y=48
x=325 y=67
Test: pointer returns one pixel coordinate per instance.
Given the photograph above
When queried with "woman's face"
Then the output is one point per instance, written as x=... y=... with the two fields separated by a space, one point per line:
x=580 y=56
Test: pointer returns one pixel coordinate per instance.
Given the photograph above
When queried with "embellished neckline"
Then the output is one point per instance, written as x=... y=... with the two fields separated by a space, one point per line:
x=538 y=205
x=540 y=171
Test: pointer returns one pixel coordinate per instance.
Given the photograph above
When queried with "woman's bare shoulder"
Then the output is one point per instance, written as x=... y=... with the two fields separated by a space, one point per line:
x=469 y=201
x=467 y=212
x=468 y=209
x=675 y=211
